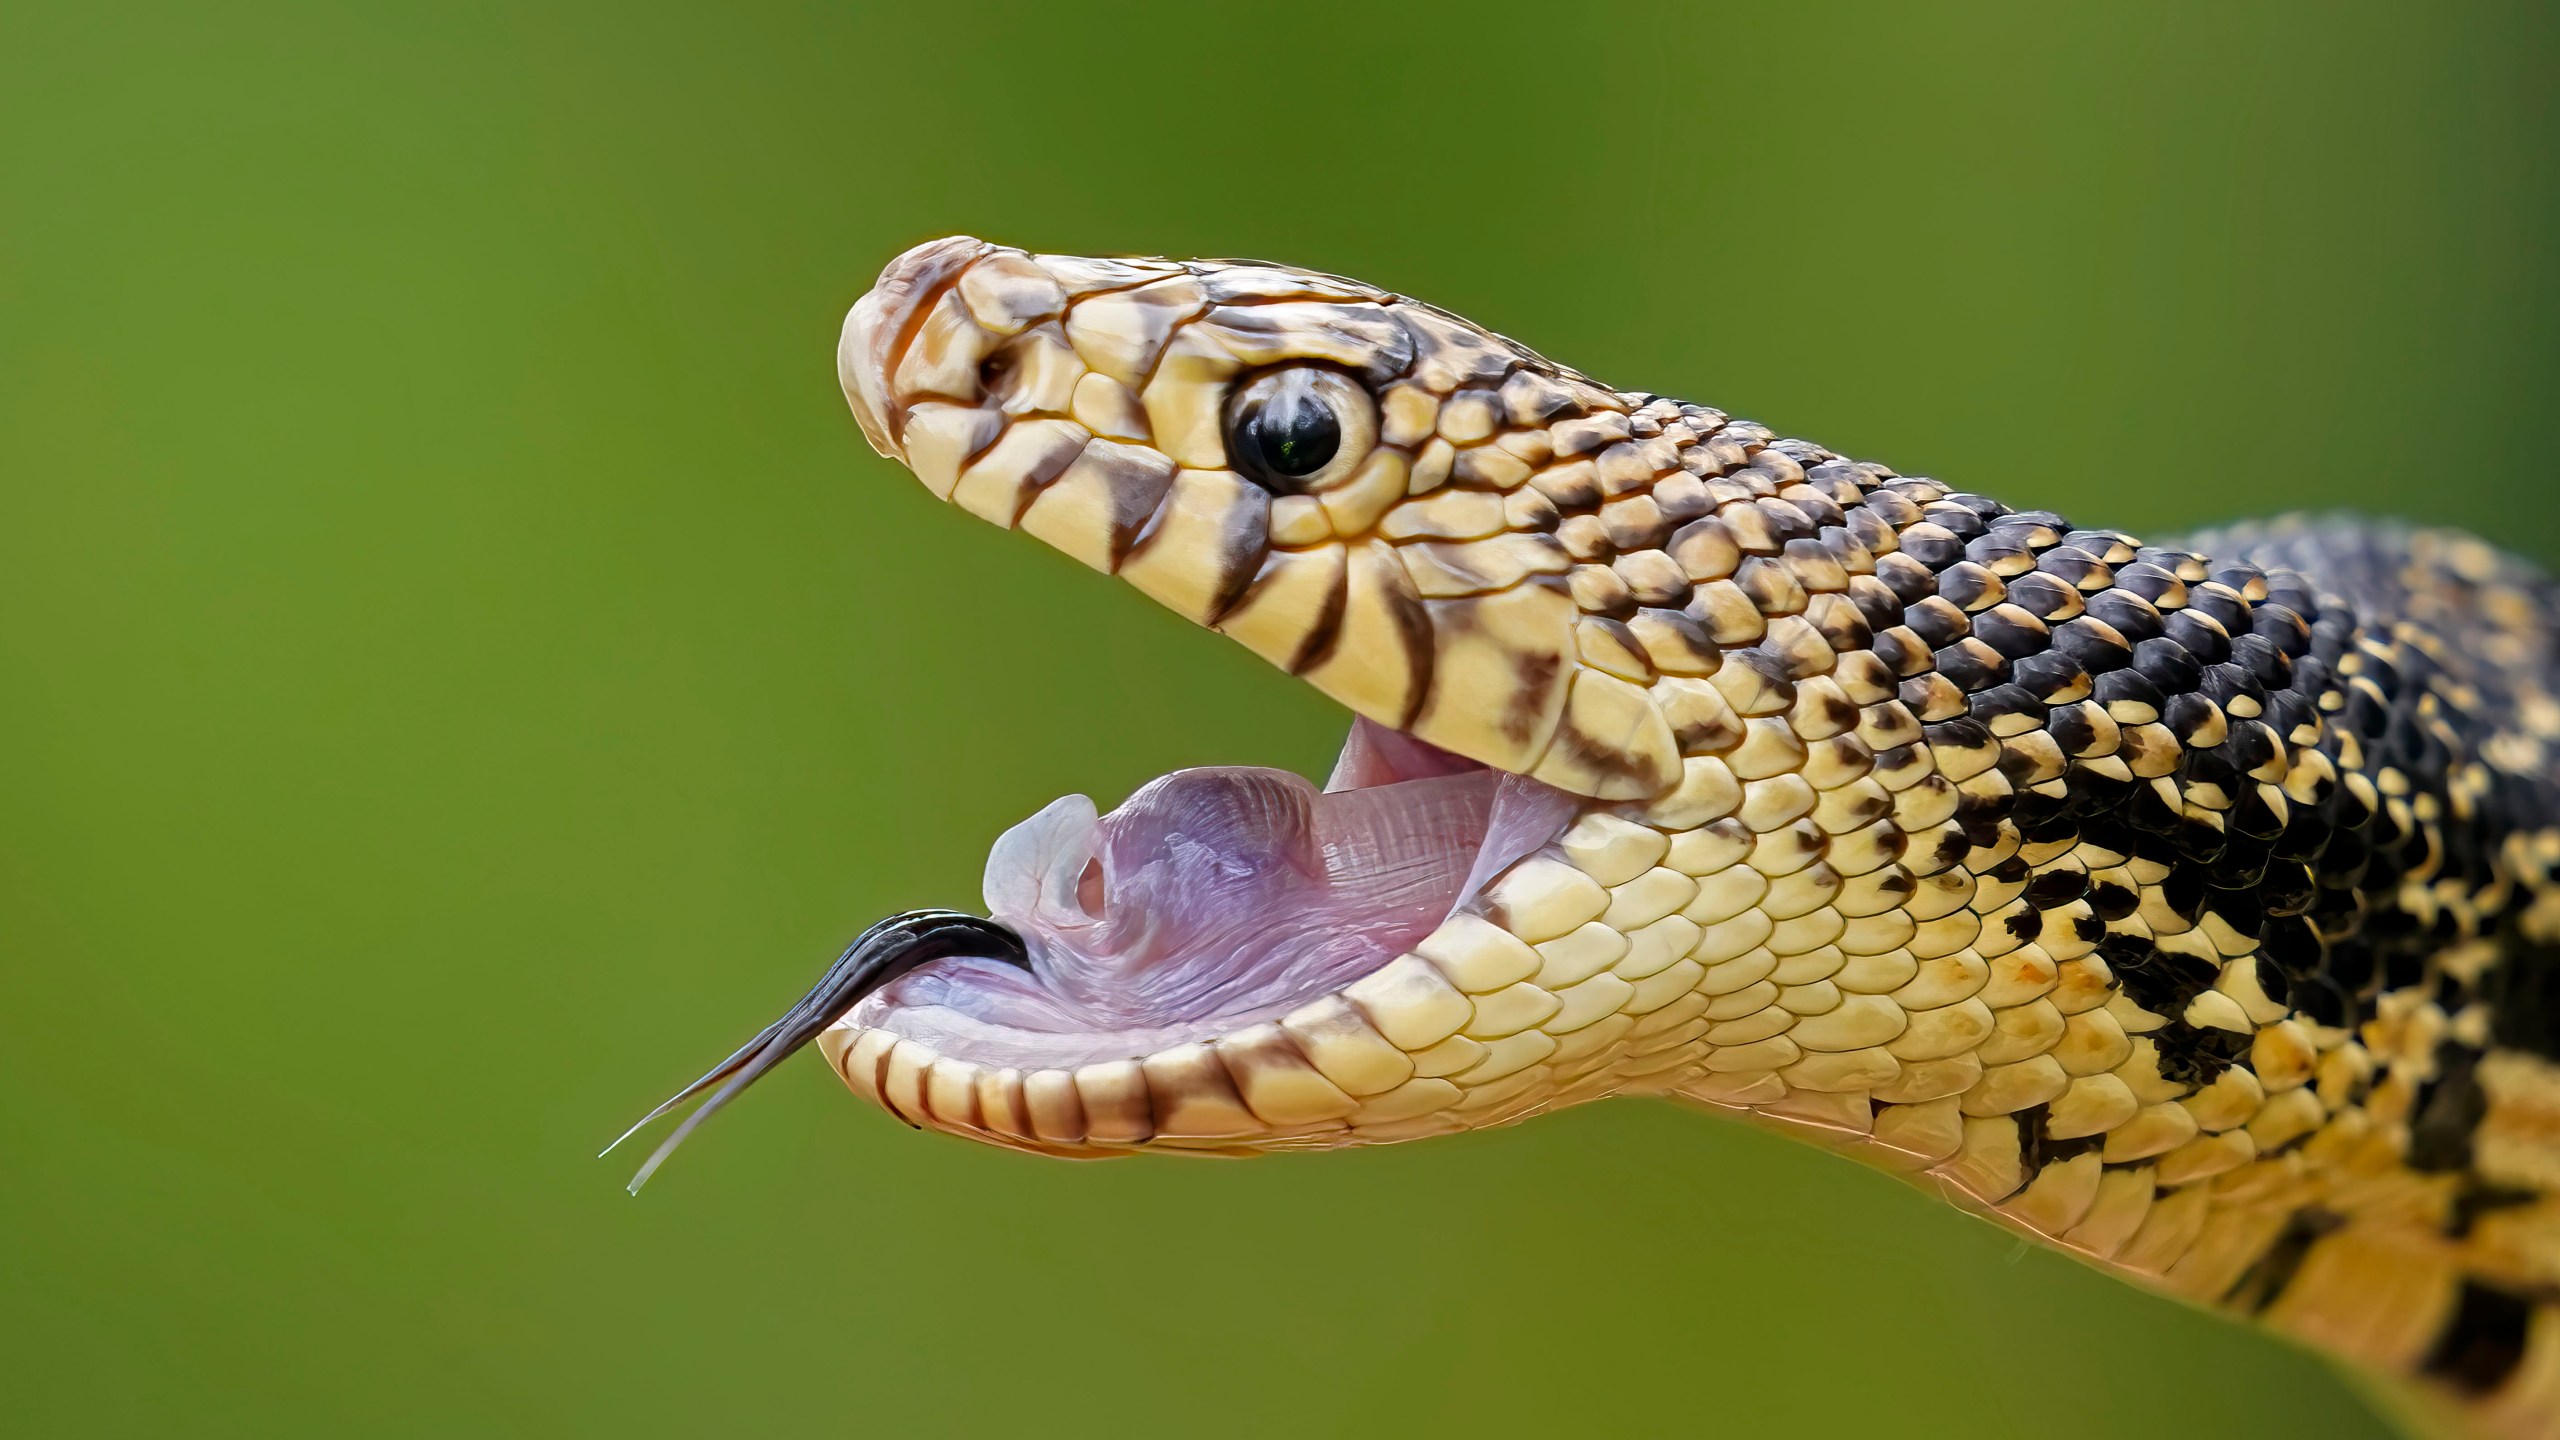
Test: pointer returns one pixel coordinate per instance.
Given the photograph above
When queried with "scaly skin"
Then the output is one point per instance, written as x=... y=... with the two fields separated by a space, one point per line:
x=2188 y=909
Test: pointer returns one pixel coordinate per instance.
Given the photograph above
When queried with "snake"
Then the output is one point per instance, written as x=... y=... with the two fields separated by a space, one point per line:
x=2188 y=908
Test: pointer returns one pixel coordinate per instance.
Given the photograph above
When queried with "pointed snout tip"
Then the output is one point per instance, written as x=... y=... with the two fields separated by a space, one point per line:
x=876 y=329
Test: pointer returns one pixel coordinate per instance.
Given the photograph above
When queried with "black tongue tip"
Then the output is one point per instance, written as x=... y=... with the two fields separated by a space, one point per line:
x=877 y=956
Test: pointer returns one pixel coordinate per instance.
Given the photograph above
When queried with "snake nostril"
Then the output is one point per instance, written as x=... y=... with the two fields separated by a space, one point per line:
x=995 y=374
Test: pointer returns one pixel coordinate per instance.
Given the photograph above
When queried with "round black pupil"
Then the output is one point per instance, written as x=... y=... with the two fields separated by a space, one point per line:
x=1295 y=431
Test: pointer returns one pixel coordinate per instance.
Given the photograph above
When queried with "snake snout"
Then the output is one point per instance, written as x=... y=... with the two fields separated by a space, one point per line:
x=974 y=360
x=886 y=324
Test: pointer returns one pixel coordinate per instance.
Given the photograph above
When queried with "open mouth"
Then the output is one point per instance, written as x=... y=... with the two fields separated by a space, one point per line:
x=1212 y=904
x=1214 y=900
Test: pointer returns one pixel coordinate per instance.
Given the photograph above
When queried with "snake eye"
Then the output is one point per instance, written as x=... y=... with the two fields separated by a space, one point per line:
x=1300 y=429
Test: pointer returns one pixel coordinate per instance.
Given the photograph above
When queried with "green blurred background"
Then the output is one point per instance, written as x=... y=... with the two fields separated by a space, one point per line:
x=465 y=670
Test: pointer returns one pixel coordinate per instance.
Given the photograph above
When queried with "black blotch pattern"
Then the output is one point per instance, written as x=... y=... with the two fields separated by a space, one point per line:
x=2480 y=1198
x=2197 y=1055
x=2483 y=1342
x=2037 y=1149
x=2524 y=999
x=2324 y=704
x=2057 y=887
x=2259 y=1286
x=2447 y=1111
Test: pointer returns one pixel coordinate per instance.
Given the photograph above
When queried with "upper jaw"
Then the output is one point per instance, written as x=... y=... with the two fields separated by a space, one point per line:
x=1084 y=402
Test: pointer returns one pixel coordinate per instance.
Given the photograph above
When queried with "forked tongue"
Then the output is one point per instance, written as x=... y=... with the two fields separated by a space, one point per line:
x=879 y=955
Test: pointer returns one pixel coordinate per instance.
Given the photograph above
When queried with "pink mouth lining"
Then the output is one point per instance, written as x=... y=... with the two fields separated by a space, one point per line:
x=1218 y=898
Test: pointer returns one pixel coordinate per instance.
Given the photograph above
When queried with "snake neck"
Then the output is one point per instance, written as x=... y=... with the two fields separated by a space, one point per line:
x=2189 y=908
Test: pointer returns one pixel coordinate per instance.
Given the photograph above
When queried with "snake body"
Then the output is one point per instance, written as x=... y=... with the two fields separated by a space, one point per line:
x=2190 y=908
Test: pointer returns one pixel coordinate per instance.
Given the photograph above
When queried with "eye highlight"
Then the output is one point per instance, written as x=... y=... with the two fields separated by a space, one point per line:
x=1300 y=429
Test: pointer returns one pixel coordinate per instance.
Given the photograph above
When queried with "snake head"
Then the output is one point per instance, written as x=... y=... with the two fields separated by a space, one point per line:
x=1515 y=578
x=1366 y=491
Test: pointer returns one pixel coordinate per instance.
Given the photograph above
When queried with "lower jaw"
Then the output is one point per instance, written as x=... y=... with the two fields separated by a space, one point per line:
x=1324 y=1076
x=1477 y=1025
x=1256 y=1090
x=1190 y=1097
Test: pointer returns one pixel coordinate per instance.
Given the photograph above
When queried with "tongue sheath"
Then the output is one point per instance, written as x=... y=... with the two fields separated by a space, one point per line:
x=879 y=955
